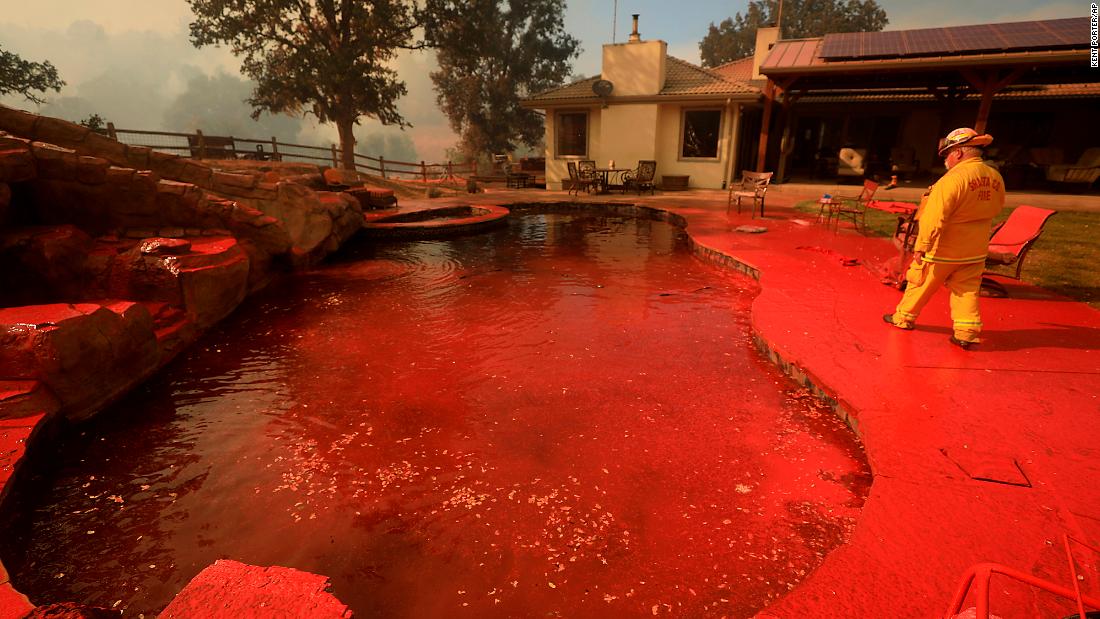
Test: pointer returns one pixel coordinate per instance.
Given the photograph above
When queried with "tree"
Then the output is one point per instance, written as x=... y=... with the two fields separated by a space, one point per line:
x=735 y=37
x=326 y=57
x=218 y=105
x=491 y=53
x=25 y=78
x=95 y=122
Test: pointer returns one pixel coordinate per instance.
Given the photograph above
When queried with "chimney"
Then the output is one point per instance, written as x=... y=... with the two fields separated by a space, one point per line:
x=634 y=36
x=766 y=38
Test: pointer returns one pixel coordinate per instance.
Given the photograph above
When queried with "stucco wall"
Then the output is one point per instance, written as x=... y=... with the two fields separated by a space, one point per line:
x=635 y=68
x=556 y=169
x=704 y=173
x=628 y=133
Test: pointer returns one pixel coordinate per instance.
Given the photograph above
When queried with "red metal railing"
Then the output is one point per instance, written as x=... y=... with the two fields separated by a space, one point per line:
x=979 y=576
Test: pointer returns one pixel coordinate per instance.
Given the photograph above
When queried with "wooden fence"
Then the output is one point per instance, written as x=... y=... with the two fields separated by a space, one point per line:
x=201 y=146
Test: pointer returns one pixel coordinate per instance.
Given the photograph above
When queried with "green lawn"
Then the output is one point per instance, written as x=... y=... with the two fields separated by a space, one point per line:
x=1063 y=260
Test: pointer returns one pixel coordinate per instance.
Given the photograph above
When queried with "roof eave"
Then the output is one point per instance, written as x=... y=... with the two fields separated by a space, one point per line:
x=548 y=103
x=939 y=62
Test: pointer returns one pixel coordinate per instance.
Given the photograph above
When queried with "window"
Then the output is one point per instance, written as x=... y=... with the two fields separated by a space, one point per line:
x=572 y=128
x=701 y=131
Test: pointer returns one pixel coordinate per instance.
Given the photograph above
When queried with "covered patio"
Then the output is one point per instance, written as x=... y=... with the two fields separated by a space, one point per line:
x=889 y=95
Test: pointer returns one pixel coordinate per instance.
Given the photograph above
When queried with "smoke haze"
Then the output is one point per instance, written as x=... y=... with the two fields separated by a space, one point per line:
x=156 y=80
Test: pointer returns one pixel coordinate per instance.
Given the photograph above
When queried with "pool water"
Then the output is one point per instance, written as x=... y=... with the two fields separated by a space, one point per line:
x=565 y=417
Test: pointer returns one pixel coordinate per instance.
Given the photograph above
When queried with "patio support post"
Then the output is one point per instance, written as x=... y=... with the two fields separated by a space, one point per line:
x=989 y=83
x=786 y=142
x=769 y=97
x=734 y=140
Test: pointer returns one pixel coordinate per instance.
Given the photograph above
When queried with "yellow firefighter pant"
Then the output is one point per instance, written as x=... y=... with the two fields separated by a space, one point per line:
x=963 y=280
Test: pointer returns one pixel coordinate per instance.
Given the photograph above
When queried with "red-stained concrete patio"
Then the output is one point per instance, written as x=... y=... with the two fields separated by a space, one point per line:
x=978 y=456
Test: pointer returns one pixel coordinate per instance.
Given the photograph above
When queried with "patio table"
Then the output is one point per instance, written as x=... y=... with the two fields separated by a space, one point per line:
x=607 y=175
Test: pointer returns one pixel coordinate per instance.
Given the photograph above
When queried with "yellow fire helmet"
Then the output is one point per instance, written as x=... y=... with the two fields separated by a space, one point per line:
x=963 y=135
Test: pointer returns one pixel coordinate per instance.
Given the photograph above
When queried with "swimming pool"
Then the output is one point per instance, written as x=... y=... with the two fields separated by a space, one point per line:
x=562 y=417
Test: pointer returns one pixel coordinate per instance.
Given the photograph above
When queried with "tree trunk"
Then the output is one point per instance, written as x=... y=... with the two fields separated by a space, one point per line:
x=346 y=127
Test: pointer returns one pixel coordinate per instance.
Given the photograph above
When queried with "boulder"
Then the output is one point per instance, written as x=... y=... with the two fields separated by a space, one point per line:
x=43 y=264
x=86 y=354
x=213 y=278
x=23 y=398
x=339 y=177
x=160 y=246
x=309 y=218
x=230 y=589
x=373 y=198
x=206 y=276
x=16 y=165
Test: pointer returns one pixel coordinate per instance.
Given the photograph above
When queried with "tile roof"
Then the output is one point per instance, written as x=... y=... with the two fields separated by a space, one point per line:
x=682 y=79
x=581 y=89
x=736 y=70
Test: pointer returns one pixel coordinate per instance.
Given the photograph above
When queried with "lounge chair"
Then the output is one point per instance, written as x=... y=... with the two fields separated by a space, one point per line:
x=753 y=185
x=640 y=178
x=1086 y=170
x=1011 y=241
x=852 y=162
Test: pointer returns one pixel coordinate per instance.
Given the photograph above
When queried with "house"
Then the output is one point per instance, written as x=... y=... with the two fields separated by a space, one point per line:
x=794 y=104
x=645 y=105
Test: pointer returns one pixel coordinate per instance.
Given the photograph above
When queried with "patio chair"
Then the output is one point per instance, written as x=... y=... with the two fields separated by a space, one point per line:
x=851 y=162
x=853 y=207
x=1086 y=170
x=586 y=170
x=640 y=178
x=753 y=185
x=576 y=181
x=1011 y=241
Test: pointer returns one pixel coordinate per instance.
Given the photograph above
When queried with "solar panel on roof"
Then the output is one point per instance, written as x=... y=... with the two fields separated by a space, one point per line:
x=927 y=41
x=1035 y=40
x=1046 y=34
x=841 y=45
x=1020 y=27
x=977 y=39
x=1071 y=31
x=883 y=44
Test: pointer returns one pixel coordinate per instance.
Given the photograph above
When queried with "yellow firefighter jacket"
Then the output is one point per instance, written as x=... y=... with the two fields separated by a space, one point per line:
x=955 y=219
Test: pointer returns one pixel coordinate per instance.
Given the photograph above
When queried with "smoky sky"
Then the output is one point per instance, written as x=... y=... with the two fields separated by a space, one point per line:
x=158 y=81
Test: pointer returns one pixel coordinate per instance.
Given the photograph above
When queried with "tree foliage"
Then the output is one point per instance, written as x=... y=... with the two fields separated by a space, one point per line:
x=95 y=122
x=735 y=37
x=218 y=105
x=325 y=57
x=26 y=78
x=492 y=53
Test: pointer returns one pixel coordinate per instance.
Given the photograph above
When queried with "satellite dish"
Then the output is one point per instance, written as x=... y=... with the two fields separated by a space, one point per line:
x=602 y=88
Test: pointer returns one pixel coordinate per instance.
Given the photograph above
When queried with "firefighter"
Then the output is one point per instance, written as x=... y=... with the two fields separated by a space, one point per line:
x=953 y=237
